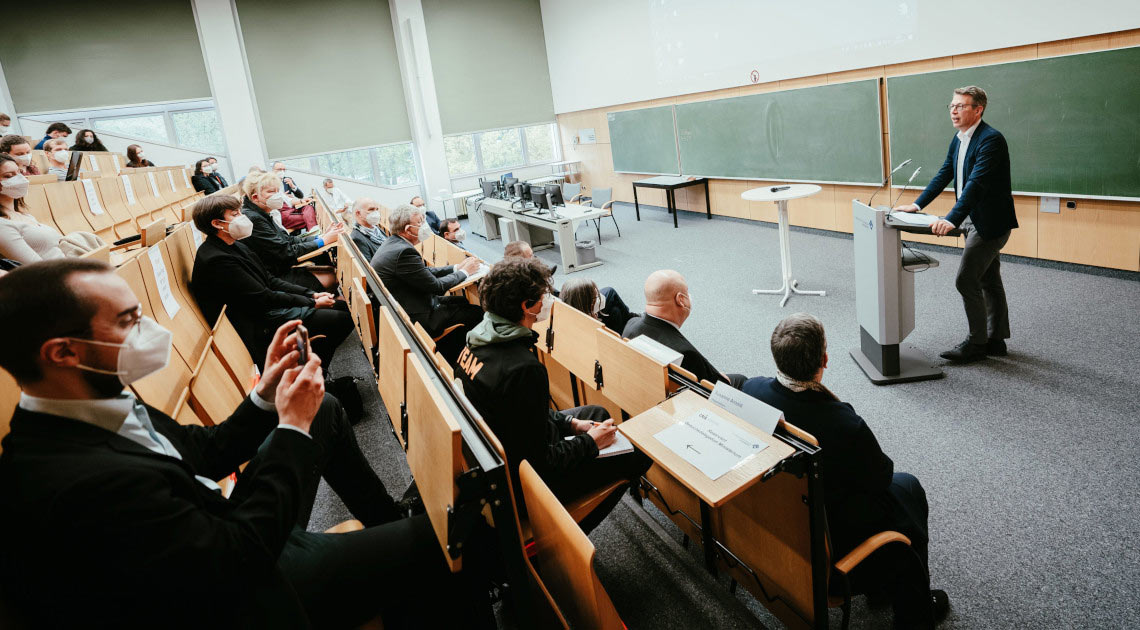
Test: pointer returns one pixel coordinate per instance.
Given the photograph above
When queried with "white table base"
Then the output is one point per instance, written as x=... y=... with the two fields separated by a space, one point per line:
x=791 y=285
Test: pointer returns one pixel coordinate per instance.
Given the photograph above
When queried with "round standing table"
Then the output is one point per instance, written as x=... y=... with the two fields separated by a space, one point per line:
x=781 y=197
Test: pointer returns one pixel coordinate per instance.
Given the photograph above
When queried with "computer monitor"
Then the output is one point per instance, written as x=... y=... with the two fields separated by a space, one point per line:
x=509 y=183
x=522 y=190
x=538 y=196
x=74 y=166
x=488 y=187
x=555 y=192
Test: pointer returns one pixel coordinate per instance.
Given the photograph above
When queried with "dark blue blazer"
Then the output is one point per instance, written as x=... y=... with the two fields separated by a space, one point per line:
x=987 y=196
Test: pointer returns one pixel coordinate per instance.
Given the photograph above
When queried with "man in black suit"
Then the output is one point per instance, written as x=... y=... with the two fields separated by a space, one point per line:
x=227 y=273
x=366 y=233
x=214 y=174
x=111 y=514
x=667 y=306
x=863 y=494
x=420 y=289
x=978 y=162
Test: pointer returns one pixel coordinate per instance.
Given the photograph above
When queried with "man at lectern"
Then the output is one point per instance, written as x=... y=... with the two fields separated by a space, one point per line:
x=978 y=162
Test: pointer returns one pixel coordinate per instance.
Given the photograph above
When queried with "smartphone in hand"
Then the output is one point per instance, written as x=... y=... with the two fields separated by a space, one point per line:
x=302 y=345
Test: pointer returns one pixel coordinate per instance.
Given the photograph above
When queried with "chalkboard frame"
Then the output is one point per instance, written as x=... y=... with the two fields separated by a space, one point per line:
x=676 y=146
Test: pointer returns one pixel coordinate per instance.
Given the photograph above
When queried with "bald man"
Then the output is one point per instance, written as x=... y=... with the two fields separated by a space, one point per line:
x=667 y=306
x=366 y=234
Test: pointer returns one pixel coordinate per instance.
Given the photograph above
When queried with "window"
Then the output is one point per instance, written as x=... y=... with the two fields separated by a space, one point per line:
x=486 y=151
x=199 y=130
x=349 y=164
x=149 y=127
x=460 y=152
x=501 y=149
x=539 y=143
x=395 y=165
x=390 y=166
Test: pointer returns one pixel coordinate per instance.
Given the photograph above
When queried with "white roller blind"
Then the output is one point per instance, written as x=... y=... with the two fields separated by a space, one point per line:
x=489 y=62
x=78 y=55
x=325 y=74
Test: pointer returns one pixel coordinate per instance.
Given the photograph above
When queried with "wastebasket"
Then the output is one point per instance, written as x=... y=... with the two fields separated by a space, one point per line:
x=586 y=251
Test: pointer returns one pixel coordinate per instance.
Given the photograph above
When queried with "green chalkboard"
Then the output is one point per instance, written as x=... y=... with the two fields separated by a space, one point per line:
x=1072 y=123
x=829 y=133
x=644 y=141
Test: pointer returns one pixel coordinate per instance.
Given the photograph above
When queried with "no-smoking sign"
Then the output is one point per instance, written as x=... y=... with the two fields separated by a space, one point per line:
x=755 y=76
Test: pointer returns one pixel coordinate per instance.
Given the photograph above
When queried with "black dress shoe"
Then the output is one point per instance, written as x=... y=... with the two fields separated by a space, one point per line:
x=996 y=348
x=940 y=603
x=966 y=352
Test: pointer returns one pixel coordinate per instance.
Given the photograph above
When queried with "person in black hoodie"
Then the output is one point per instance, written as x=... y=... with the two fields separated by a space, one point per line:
x=507 y=384
x=862 y=493
x=226 y=273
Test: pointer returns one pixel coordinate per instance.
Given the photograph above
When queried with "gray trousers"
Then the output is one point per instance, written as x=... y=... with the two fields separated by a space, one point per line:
x=979 y=283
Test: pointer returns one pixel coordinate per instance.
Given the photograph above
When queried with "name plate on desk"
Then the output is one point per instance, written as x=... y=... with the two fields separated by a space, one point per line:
x=756 y=412
x=710 y=443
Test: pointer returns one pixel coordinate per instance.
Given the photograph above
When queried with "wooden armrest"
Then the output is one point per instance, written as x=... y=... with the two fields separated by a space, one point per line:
x=798 y=432
x=351 y=525
x=866 y=548
x=607 y=205
x=450 y=329
x=316 y=252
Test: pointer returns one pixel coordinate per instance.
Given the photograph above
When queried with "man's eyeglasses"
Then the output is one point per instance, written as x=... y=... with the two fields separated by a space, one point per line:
x=957 y=106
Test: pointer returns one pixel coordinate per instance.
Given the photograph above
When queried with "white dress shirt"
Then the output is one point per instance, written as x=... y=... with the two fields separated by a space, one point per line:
x=340 y=200
x=963 y=144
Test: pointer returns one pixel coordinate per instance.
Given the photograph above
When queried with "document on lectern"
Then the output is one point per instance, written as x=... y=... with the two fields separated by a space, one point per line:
x=914 y=218
x=710 y=443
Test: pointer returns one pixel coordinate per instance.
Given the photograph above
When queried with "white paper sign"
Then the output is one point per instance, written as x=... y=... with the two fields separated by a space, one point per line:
x=710 y=443
x=185 y=180
x=130 y=191
x=94 y=164
x=199 y=238
x=153 y=184
x=92 y=198
x=587 y=136
x=163 y=281
x=170 y=176
x=755 y=412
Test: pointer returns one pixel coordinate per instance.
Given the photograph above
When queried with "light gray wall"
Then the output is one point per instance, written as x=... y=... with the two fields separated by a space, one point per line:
x=325 y=74
x=76 y=55
x=489 y=61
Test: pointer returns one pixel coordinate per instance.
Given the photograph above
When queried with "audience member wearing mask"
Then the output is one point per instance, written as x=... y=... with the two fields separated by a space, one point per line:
x=667 y=306
x=86 y=140
x=603 y=304
x=201 y=178
x=55 y=130
x=862 y=492
x=420 y=289
x=227 y=273
x=432 y=218
x=215 y=175
x=112 y=492
x=449 y=229
x=278 y=249
x=58 y=157
x=507 y=384
x=338 y=201
x=5 y=125
x=136 y=157
x=22 y=237
x=299 y=213
x=366 y=233
x=18 y=147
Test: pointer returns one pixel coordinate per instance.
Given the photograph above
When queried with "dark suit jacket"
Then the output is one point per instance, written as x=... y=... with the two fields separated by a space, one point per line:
x=987 y=196
x=855 y=472
x=276 y=248
x=364 y=243
x=203 y=183
x=664 y=333
x=414 y=285
x=219 y=180
x=102 y=532
x=256 y=302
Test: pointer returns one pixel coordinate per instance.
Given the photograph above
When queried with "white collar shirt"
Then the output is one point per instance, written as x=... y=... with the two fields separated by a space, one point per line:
x=963 y=144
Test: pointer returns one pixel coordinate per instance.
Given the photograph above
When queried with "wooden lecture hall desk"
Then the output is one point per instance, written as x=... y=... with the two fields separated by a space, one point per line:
x=538 y=229
x=670 y=183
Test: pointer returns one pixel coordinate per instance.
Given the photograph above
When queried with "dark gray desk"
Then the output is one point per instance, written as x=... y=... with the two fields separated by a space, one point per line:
x=670 y=183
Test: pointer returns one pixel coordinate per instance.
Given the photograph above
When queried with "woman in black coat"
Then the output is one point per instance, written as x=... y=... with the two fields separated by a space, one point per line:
x=201 y=178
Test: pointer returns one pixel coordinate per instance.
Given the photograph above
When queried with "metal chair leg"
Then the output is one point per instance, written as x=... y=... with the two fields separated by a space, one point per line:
x=614 y=219
x=598 y=226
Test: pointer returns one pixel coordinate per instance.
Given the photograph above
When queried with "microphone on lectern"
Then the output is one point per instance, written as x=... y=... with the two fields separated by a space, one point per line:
x=885 y=180
x=912 y=176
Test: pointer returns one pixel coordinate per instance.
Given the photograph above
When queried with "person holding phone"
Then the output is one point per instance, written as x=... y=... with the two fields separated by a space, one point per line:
x=509 y=386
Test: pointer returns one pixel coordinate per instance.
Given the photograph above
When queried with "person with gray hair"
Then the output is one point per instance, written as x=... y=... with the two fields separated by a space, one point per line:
x=366 y=233
x=338 y=201
x=862 y=492
x=978 y=163
x=421 y=290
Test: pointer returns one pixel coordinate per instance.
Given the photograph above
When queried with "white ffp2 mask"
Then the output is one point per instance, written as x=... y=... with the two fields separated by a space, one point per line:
x=145 y=351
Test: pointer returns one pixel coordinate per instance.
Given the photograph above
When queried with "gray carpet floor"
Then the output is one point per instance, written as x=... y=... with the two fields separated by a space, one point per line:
x=1029 y=461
